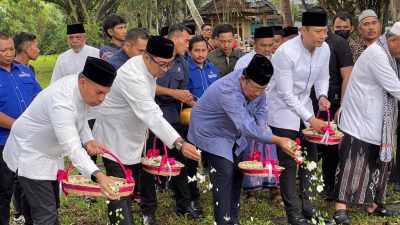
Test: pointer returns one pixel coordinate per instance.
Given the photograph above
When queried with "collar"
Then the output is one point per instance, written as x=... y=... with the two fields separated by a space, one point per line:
x=304 y=49
x=194 y=66
x=14 y=65
x=220 y=53
x=114 y=46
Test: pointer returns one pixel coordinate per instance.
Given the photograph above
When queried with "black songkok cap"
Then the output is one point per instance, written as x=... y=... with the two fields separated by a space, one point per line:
x=317 y=19
x=164 y=31
x=287 y=31
x=75 y=29
x=259 y=70
x=278 y=30
x=264 y=32
x=160 y=47
x=99 y=71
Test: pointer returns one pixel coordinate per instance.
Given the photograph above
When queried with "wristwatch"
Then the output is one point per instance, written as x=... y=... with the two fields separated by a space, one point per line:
x=93 y=175
x=179 y=145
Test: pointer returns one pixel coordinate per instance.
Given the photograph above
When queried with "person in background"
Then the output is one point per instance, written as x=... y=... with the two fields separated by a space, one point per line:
x=225 y=56
x=278 y=37
x=26 y=48
x=18 y=89
x=164 y=31
x=73 y=60
x=206 y=33
x=114 y=26
x=290 y=33
x=342 y=25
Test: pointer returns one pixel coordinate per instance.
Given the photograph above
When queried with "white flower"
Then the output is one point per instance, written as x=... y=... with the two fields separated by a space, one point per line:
x=108 y=202
x=210 y=185
x=215 y=223
x=227 y=218
x=251 y=219
x=191 y=179
x=213 y=170
x=216 y=203
x=217 y=189
x=313 y=221
x=201 y=178
x=199 y=151
x=311 y=165
x=320 y=188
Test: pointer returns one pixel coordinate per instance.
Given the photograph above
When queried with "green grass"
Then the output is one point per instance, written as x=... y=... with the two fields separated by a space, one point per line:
x=75 y=211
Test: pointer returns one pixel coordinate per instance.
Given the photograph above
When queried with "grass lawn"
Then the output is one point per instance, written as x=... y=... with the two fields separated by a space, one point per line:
x=75 y=211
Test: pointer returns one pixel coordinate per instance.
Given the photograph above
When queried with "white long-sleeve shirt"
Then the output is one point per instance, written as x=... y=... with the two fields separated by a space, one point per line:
x=70 y=62
x=362 y=107
x=54 y=125
x=129 y=111
x=296 y=70
x=245 y=60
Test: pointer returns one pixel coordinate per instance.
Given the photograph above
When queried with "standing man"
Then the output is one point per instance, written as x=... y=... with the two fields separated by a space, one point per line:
x=73 y=60
x=202 y=73
x=342 y=25
x=114 y=26
x=135 y=44
x=369 y=28
x=263 y=45
x=176 y=79
x=206 y=33
x=27 y=48
x=299 y=64
x=225 y=56
x=130 y=110
x=231 y=110
x=278 y=37
x=368 y=120
x=55 y=124
x=18 y=89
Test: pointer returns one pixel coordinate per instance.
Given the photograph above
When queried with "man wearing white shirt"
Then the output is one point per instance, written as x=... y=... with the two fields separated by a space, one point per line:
x=73 y=60
x=368 y=119
x=263 y=45
x=55 y=125
x=299 y=64
x=130 y=110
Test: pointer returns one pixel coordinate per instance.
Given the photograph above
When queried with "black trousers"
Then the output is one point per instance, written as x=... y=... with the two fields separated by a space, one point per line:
x=91 y=124
x=330 y=160
x=227 y=184
x=192 y=171
x=179 y=184
x=288 y=176
x=6 y=189
x=43 y=197
x=124 y=203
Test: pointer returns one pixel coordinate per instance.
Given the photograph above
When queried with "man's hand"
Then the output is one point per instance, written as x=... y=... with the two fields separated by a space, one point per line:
x=323 y=103
x=182 y=95
x=190 y=152
x=105 y=183
x=283 y=144
x=316 y=124
x=94 y=148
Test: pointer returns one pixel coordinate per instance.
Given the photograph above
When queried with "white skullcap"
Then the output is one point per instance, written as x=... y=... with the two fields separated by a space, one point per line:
x=366 y=13
x=395 y=29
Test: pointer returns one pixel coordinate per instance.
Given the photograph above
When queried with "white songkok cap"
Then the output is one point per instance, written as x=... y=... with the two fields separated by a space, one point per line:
x=395 y=29
x=366 y=13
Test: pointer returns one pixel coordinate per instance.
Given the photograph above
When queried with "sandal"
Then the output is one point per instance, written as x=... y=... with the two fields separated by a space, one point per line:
x=341 y=217
x=383 y=211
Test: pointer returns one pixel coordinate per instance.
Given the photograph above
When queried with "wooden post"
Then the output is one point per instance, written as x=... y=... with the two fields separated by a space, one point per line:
x=243 y=32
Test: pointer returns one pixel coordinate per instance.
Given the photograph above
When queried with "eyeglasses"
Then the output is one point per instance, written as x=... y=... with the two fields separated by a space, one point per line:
x=161 y=65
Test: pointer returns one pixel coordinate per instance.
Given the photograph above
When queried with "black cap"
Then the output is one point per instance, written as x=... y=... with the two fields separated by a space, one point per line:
x=287 y=31
x=75 y=28
x=263 y=32
x=278 y=30
x=317 y=19
x=160 y=47
x=99 y=71
x=259 y=70
x=164 y=31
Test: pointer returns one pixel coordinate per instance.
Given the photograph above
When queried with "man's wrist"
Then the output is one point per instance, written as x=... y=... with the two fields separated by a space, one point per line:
x=326 y=97
x=178 y=144
x=93 y=175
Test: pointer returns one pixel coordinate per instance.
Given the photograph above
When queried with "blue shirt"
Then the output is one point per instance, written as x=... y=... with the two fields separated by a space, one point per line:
x=177 y=77
x=200 y=79
x=223 y=117
x=118 y=59
x=108 y=50
x=17 y=90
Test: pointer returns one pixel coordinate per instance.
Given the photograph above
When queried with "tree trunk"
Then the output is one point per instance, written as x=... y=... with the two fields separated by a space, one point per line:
x=287 y=13
x=195 y=13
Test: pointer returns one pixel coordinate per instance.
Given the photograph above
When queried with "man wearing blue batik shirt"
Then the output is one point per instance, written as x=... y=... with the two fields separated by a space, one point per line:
x=18 y=88
x=231 y=110
x=202 y=73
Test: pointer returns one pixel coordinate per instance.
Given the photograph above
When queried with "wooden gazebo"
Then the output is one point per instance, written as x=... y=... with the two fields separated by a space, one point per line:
x=244 y=15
